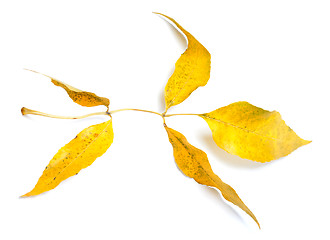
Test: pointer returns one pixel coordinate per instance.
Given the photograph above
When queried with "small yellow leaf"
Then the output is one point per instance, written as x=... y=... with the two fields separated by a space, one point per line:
x=86 y=99
x=251 y=132
x=194 y=163
x=79 y=153
x=192 y=70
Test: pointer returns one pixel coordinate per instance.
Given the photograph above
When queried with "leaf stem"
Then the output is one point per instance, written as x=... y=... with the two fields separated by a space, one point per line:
x=134 y=109
x=182 y=114
x=160 y=114
x=26 y=111
x=139 y=110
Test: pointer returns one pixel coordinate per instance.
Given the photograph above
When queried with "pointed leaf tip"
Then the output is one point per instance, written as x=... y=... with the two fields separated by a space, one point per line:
x=194 y=163
x=83 y=98
x=79 y=153
x=192 y=70
x=251 y=132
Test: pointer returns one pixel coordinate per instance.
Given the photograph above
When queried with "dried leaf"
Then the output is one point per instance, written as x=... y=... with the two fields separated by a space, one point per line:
x=251 y=132
x=194 y=163
x=86 y=99
x=192 y=70
x=79 y=153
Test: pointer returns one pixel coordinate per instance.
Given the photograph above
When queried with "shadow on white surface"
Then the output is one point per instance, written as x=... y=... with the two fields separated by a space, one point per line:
x=216 y=196
x=183 y=44
x=178 y=35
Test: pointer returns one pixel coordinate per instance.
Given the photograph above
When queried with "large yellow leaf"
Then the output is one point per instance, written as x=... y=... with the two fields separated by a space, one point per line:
x=79 y=153
x=194 y=163
x=192 y=70
x=251 y=132
x=83 y=98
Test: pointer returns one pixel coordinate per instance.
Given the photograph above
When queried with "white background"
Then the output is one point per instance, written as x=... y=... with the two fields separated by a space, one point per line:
x=273 y=54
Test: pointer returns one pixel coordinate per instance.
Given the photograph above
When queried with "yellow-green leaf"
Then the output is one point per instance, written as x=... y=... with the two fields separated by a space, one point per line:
x=79 y=153
x=194 y=163
x=83 y=98
x=192 y=70
x=251 y=132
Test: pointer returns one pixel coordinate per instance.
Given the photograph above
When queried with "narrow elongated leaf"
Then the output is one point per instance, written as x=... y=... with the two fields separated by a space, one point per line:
x=79 y=153
x=251 y=132
x=194 y=163
x=192 y=70
x=83 y=98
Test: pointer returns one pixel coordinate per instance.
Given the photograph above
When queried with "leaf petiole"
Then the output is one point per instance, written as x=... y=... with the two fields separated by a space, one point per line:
x=182 y=114
x=26 y=111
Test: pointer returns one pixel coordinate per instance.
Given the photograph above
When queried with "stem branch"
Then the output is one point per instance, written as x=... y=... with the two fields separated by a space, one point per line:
x=26 y=111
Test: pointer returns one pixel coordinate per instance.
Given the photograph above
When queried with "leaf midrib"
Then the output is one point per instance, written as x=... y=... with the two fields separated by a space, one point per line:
x=248 y=211
x=82 y=151
x=243 y=129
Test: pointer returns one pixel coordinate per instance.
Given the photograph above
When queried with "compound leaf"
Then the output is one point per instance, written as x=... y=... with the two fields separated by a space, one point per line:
x=79 y=153
x=192 y=70
x=251 y=132
x=194 y=163
x=83 y=98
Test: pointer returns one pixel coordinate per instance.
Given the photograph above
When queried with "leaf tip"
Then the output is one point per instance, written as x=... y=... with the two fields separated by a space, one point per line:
x=33 y=192
x=158 y=13
x=26 y=195
x=305 y=142
x=255 y=219
x=29 y=70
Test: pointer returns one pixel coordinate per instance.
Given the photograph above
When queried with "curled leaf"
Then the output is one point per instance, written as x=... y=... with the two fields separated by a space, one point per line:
x=83 y=98
x=79 y=153
x=251 y=132
x=192 y=70
x=194 y=163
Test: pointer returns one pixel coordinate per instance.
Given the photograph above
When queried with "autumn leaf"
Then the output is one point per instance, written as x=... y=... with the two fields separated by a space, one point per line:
x=192 y=70
x=79 y=153
x=194 y=163
x=251 y=132
x=83 y=98
x=239 y=128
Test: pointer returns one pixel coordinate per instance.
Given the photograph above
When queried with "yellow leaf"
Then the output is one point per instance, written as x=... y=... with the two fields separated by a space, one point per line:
x=86 y=99
x=192 y=70
x=79 y=153
x=194 y=163
x=251 y=132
